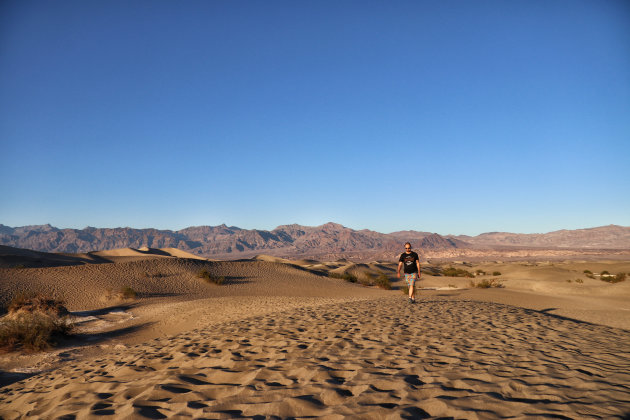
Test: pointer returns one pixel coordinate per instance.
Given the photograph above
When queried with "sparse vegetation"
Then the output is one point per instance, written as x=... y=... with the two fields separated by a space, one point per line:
x=32 y=332
x=31 y=303
x=367 y=279
x=34 y=323
x=452 y=286
x=154 y=275
x=580 y=281
x=431 y=271
x=486 y=283
x=345 y=276
x=588 y=272
x=619 y=277
x=569 y=280
x=457 y=272
x=496 y=273
x=205 y=274
x=383 y=282
x=479 y=272
x=128 y=293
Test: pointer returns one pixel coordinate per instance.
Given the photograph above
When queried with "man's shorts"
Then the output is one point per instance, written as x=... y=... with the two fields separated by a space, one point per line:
x=411 y=278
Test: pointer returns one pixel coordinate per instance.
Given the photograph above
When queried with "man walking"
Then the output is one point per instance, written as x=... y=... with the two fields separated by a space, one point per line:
x=411 y=263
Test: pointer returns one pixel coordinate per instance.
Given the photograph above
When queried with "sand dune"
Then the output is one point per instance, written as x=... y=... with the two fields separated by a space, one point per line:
x=11 y=257
x=174 y=252
x=281 y=339
x=375 y=358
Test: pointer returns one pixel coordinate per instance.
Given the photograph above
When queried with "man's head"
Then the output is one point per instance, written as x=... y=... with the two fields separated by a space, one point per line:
x=407 y=246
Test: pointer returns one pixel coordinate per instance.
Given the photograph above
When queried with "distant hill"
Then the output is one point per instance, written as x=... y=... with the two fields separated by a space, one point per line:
x=604 y=237
x=330 y=240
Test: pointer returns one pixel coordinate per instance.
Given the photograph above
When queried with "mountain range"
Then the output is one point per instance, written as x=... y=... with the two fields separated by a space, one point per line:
x=329 y=240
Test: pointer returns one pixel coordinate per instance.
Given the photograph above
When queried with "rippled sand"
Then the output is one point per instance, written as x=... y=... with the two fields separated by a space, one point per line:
x=374 y=358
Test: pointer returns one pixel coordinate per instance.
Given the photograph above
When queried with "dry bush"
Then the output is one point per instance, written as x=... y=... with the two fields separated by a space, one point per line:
x=486 y=283
x=32 y=332
x=205 y=274
x=367 y=279
x=619 y=277
x=121 y=294
x=128 y=293
x=345 y=276
x=154 y=275
x=34 y=323
x=31 y=303
x=383 y=282
x=456 y=272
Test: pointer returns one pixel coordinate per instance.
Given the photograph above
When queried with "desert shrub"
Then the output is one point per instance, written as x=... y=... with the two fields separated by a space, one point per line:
x=205 y=274
x=496 y=273
x=614 y=279
x=569 y=280
x=128 y=293
x=33 y=323
x=30 y=303
x=367 y=279
x=345 y=276
x=452 y=286
x=154 y=275
x=486 y=283
x=590 y=275
x=604 y=273
x=457 y=272
x=432 y=271
x=32 y=332
x=383 y=282
x=350 y=277
x=588 y=272
x=579 y=281
x=480 y=273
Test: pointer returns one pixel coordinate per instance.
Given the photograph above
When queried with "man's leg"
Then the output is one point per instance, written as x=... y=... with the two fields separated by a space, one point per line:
x=411 y=283
x=412 y=288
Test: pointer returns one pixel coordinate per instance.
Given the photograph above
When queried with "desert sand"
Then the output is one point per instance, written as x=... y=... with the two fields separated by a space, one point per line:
x=281 y=339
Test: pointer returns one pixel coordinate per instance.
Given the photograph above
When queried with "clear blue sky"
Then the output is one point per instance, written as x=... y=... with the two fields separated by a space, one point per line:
x=447 y=116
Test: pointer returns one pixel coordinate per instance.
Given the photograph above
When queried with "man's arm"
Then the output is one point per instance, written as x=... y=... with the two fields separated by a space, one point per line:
x=418 y=264
x=399 y=267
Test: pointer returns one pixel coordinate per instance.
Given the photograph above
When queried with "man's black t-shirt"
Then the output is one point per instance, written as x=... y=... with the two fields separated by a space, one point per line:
x=409 y=262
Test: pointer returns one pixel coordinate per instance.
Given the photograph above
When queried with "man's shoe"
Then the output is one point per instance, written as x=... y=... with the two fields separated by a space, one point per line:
x=410 y=300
